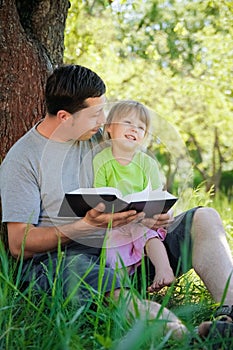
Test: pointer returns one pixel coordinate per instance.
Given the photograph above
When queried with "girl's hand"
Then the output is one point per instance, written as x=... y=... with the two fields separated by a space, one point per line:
x=159 y=220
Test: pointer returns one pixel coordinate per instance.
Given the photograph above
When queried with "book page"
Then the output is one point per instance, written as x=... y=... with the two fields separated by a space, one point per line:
x=98 y=191
x=148 y=195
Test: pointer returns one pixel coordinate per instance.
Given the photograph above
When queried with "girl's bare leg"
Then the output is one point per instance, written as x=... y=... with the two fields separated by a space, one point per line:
x=164 y=276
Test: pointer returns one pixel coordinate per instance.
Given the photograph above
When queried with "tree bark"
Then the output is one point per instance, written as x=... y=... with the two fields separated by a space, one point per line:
x=31 y=44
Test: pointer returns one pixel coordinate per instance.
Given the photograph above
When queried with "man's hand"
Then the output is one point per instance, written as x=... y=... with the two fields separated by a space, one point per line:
x=96 y=217
x=160 y=220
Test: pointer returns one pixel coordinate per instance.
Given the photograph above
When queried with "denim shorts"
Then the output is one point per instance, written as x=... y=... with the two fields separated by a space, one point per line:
x=80 y=274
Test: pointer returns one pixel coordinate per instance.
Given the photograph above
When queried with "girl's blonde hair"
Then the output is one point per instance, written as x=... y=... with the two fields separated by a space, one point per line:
x=125 y=108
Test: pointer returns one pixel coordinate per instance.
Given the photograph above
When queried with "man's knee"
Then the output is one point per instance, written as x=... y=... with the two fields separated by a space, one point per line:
x=206 y=221
x=206 y=214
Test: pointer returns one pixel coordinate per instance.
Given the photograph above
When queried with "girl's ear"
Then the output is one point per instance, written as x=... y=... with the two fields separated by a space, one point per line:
x=107 y=131
x=107 y=127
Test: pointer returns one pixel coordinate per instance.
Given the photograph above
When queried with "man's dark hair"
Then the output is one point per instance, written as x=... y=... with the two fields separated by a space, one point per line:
x=69 y=86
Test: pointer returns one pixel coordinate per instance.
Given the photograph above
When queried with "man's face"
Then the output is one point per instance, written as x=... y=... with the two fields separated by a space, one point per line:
x=85 y=123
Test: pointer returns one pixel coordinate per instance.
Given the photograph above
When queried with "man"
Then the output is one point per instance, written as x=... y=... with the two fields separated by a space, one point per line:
x=50 y=160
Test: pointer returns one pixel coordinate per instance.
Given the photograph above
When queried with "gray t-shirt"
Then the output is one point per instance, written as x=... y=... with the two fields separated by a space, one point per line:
x=37 y=172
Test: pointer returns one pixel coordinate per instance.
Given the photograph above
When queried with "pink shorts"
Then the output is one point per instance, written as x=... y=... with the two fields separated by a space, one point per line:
x=125 y=245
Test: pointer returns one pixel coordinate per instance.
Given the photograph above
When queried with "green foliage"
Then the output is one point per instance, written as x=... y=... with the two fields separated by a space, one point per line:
x=226 y=183
x=173 y=56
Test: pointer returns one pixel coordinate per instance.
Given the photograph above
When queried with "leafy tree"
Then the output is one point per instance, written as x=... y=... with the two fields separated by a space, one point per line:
x=174 y=56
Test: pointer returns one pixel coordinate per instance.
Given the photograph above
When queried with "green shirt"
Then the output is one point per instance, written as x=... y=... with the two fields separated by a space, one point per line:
x=133 y=177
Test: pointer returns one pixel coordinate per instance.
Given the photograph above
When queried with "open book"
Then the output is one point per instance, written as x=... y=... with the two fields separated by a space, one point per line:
x=78 y=202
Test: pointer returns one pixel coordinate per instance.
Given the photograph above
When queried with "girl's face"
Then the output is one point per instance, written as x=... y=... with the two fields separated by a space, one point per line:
x=127 y=129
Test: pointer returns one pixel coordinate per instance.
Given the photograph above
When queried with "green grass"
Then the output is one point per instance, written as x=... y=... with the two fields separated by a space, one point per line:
x=29 y=320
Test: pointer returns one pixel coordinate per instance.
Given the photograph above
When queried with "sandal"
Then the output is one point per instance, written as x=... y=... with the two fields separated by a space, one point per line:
x=220 y=331
x=224 y=311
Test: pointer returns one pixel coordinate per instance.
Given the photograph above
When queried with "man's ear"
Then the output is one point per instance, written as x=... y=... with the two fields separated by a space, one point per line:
x=63 y=115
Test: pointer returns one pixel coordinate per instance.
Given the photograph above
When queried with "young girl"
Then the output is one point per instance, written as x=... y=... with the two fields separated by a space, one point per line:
x=124 y=166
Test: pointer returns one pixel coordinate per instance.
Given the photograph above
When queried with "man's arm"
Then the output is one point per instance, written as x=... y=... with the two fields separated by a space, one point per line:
x=31 y=239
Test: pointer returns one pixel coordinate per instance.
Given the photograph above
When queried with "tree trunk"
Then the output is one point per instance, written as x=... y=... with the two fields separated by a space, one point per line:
x=31 y=44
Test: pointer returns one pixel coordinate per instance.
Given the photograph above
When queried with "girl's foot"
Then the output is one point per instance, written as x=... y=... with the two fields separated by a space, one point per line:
x=162 y=279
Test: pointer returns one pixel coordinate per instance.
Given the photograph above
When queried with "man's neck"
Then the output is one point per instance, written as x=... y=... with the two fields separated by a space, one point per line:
x=49 y=128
